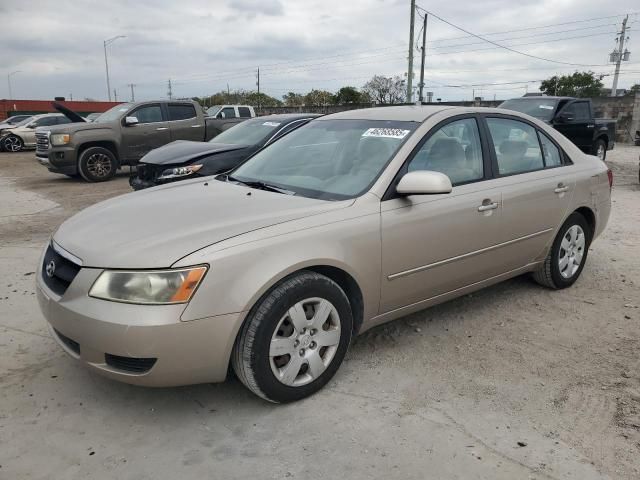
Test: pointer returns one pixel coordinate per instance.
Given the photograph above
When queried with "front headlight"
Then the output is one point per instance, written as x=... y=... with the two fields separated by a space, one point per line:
x=159 y=287
x=179 y=171
x=58 y=139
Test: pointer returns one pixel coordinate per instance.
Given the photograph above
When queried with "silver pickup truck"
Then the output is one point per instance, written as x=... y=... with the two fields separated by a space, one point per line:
x=121 y=136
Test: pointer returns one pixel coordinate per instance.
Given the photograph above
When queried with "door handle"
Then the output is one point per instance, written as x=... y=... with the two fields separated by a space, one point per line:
x=162 y=128
x=196 y=126
x=590 y=126
x=561 y=188
x=488 y=206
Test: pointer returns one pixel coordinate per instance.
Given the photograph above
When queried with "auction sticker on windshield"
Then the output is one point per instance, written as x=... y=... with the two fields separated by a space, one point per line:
x=386 y=133
x=271 y=124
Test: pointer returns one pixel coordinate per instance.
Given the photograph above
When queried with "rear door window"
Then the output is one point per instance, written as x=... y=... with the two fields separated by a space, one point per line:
x=516 y=146
x=46 y=121
x=244 y=112
x=181 y=112
x=63 y=120
x=552 y=156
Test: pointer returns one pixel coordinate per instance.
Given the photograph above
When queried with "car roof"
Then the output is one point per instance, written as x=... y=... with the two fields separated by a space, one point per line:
x=408 y=113
x=538 y=97
x=283 y=117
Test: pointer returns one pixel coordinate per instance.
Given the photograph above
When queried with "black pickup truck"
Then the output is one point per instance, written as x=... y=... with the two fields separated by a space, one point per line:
x=573 y=117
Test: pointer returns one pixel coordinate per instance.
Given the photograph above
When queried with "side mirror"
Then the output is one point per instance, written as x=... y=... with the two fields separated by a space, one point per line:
x=424 y=182
x=564 y=117
x=221 y=115
x=32 y=126
x=128 y=121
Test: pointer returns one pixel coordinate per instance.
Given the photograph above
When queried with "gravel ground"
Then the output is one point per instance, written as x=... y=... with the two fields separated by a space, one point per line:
x=515 y=381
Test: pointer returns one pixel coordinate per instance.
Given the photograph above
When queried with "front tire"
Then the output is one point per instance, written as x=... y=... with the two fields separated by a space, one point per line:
x=12 y=143
x=97 y=164
x=567 y=256
x=294 y=339
x=599 y=149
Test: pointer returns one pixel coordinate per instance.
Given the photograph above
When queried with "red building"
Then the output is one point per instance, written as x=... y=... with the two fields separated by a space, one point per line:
x=15 y=107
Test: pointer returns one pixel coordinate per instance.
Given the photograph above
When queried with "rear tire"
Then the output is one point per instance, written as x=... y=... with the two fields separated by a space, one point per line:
x=599 y=149
x=97 y=164
x=12 y=143
x=567 y=255
x=294 y=338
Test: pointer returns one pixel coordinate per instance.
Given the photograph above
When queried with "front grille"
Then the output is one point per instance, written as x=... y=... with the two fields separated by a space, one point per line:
x=42 y=141
x=130 y=364
x=71 y=344
x=149 y=172
x=57 y=271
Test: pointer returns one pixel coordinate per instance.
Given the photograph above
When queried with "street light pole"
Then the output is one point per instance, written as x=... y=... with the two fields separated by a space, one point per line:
x=9 y=82
x=106 y=43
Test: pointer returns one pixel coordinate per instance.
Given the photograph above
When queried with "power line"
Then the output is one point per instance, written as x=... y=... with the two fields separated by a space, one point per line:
x=537 y=28
x=497 y=44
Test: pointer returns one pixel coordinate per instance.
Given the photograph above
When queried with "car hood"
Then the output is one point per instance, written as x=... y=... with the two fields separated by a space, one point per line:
x=70 y=114
x=6 y=126
x=156 y=227
x=182 y=151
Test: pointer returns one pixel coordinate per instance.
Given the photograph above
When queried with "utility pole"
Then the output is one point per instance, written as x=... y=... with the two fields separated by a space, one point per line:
x=258 y=84
x=115 y=95
x=411 y=47
x=71 y=97
x=424 y=46
x=170 y=92
x=9 y=82
x=620 y=55
x=106 y=43
x=133 y=96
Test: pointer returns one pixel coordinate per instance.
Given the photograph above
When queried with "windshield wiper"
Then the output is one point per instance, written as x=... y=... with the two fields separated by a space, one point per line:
x=260 y=185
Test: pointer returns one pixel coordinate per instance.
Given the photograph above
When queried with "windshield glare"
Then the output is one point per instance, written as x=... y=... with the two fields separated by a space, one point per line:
x=542 y=108
x=328 y=159
x=213 y=111
x=113 y=113
x=249 y=132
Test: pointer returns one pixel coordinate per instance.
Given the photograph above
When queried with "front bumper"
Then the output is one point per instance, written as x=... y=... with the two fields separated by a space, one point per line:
x=59 y=160
x=95 y=331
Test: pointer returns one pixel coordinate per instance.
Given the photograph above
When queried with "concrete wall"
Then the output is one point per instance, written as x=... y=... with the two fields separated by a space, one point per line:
x=31 y=107
x=625 y=110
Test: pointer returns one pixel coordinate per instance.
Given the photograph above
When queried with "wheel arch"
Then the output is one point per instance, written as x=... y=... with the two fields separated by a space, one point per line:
x=111 y=146
x=590 y=217
x=604 y=137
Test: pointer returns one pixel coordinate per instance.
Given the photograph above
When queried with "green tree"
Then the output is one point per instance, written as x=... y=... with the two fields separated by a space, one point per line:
x=319 y=98
x=293 y=99
x=635 y=89
x=385 y=90
x=348 y=95
x=260 y=99
x=578 y=84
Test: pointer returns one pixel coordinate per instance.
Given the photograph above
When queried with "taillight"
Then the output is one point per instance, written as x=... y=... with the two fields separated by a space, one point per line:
x=610 y=175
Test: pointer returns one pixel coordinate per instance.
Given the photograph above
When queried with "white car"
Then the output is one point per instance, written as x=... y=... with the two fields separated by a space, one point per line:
x=23 y=135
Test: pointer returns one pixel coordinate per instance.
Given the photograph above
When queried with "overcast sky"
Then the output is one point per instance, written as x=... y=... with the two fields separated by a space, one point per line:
x=300 y=44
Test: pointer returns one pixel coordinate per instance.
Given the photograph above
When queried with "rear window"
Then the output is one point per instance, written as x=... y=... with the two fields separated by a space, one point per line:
x=181 y=112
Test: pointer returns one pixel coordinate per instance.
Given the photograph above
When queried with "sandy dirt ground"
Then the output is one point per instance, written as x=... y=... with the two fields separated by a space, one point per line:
x=513 y=382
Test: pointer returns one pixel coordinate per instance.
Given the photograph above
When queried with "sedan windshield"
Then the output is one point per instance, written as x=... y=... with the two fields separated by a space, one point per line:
x=114 y=113
x=327 y=159
x=542 y=108
x=249 y=132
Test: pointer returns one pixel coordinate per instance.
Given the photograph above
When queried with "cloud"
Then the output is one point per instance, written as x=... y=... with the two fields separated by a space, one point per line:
x=203 y=45
x=253 y=7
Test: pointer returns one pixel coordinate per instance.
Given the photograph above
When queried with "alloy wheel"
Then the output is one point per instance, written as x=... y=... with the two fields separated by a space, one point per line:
x=304 y=342
x=12 y=144
x=99 y=165
x=571 y=251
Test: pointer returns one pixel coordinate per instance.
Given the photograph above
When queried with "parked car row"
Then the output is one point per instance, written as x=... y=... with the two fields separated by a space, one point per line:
x=342 y=223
